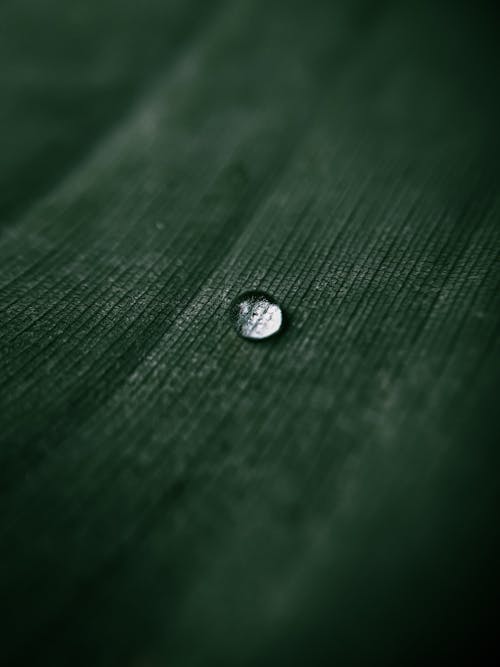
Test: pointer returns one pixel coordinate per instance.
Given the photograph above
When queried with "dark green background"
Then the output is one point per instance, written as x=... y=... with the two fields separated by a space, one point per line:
x=169 y=493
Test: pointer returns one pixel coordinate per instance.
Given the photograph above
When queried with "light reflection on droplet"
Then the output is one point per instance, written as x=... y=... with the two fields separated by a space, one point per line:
x=256 y=316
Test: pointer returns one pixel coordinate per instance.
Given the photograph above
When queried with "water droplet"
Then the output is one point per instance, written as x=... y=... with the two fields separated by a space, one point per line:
x=256 y=316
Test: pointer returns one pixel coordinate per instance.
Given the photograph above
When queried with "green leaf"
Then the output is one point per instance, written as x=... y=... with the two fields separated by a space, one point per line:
x=169 y=492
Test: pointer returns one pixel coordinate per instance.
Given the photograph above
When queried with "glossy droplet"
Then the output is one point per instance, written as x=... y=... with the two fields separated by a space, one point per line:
x=256 y=316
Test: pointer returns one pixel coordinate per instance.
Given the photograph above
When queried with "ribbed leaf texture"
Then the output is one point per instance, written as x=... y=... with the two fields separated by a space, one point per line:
x=171 y=494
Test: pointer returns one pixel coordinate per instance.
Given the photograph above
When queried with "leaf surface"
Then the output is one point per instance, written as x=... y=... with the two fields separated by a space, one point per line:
x=170 y=493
